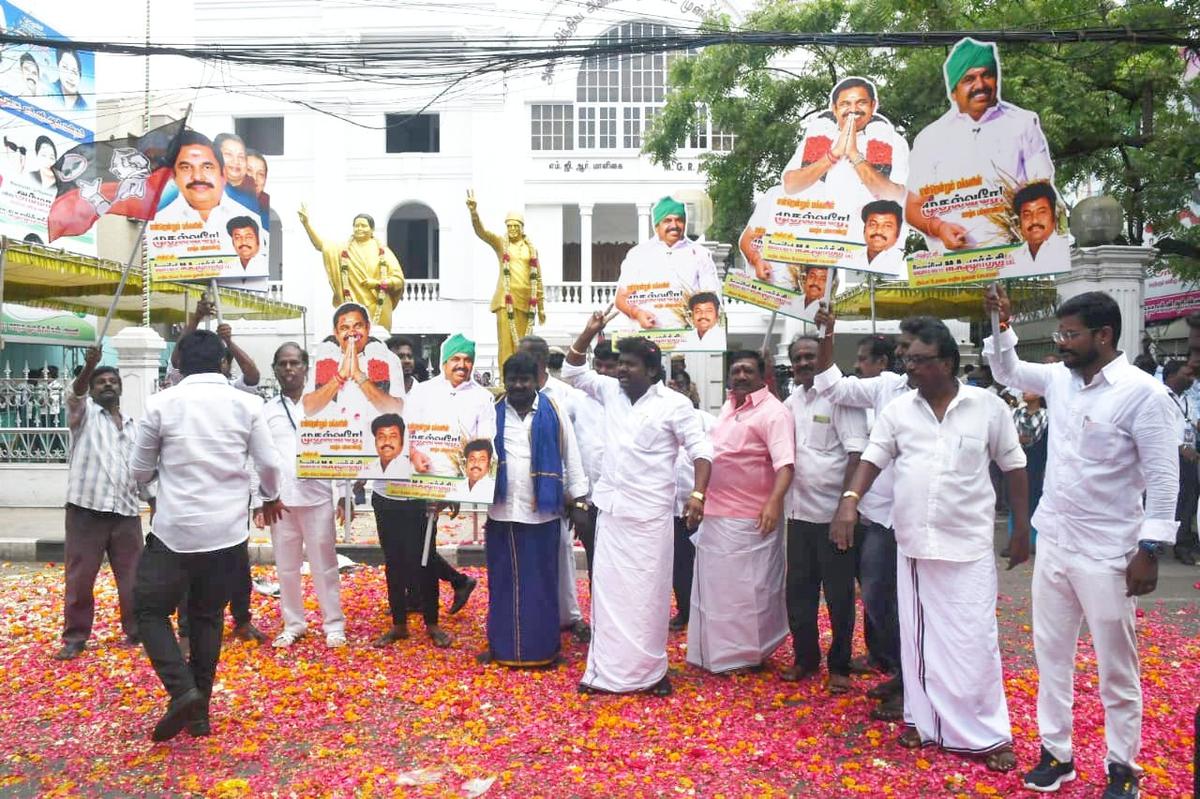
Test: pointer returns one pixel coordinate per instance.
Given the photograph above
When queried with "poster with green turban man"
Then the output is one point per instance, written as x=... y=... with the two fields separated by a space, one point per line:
x=668 y=290
x=981 y=183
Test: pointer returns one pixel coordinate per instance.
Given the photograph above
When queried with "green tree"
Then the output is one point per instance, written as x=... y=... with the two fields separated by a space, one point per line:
x=1121 y=115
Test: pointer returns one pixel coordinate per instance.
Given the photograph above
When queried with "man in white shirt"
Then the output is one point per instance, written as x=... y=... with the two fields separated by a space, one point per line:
x=573 y=403
x=646 y=423
x=941 y=439
x=872 y=390
x=540 y=475
x=1114 y=436
x=308 y=528
x=103 y=511
x=683 y=559
x=659 y=274
x=196 y=437
x=706 y=333
x=829 y=440
x=980 y=136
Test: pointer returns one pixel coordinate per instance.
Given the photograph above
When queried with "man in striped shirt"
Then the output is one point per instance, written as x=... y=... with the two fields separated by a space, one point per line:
x=102 y=503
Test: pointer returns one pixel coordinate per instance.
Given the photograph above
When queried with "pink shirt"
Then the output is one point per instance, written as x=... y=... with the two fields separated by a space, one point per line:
x=750 y=444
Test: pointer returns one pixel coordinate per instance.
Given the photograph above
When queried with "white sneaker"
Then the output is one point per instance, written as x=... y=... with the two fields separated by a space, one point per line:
x=335 y=640
x=286 y=639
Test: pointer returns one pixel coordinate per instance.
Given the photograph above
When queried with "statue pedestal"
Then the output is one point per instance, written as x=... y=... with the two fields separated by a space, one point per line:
x=139 y=352
x=1118 y=271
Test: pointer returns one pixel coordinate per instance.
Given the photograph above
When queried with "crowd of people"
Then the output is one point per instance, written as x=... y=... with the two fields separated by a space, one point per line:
x=882 y=478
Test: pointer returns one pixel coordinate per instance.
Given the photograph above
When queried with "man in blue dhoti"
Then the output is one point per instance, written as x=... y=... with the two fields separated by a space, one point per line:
x=539 y=477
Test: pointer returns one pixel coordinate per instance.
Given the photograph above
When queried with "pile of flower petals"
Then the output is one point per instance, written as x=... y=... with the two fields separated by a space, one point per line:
x=413 y=720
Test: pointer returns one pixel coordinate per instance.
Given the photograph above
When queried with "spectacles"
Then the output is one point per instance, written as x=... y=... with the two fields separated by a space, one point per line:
x=920 y=360
x=1063 y=336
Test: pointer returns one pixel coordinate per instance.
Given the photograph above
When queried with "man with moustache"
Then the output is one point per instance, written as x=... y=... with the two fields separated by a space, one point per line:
x=540 y=477
x=645 y=424
x=737 y=617
x=308 y=529
x=477 y=456
x=877 y=539
x=882 y=220
x=1045 y=249
x=706 y=333
x=942 y=438
x=828 y=440
x=815 y=278
x=30 y=76
x=406 y=352
x=388 y=431
x=849 y=152
x=1113 y=439
x=103 y=511
x=243 y=231
x=979 y=135
x=200 y=180
x=668 y=264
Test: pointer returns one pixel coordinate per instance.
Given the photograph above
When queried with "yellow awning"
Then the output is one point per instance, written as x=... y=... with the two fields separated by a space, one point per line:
x=896 y=300
x=44 y=277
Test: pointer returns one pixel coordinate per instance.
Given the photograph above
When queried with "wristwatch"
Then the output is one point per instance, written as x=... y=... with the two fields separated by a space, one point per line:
x=1152 y=548
x=856 y=159
x=851 y=495
x=362 y=379
x=697 y=495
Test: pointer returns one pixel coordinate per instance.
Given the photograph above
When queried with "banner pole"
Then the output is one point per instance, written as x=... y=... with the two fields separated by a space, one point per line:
x=770 y=328
x=112 y=307
x=212 y=286
x=428 y=539
x=871 y=285
x=828 y=295
x=996 y=313
x=3 y=263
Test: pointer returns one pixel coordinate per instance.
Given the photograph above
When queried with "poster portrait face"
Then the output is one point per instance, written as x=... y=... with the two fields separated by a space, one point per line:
x=854 y=98
x=234 y=153
x=814 y=284
x=199 y=176
x=389 y=438
x=457 y=368
x=351 y=324
x=245 y=239
x=881 y=231
x=977 y=90
x=704 y=315
x=256 y=170
x=478 y=455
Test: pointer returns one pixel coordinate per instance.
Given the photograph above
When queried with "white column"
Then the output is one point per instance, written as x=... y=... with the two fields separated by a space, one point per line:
x=139 y=351
x=644 y=228
x=1119 y=271
x=585 y=253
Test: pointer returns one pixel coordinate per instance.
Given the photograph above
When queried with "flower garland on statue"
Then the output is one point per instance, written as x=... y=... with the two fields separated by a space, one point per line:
x=535 y=283
x=344 y=268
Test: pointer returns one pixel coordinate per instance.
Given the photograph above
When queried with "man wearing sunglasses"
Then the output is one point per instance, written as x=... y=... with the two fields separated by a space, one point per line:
x=1114 y=437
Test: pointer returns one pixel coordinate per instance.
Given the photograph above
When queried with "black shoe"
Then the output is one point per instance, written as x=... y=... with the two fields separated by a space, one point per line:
x=1185 y=556
x=461 y=594
x=893 y=686
x=179 y=712
x=581 y=632
x=1049 y=774
x=1122 y=783
x=69 y=651
x=661 y=688
x=199 y=727
x=678 y=622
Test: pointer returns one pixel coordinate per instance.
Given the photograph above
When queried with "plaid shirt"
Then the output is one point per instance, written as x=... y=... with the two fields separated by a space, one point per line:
x=99 y=477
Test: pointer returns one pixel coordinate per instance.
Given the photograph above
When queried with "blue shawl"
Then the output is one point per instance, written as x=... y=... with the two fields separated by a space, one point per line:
x=546 y=464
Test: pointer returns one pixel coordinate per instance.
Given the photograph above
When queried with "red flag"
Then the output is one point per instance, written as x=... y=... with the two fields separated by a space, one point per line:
x=120 y=176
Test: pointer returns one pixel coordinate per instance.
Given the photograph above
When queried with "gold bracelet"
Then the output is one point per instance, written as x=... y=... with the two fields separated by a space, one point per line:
x=697 y=495
x=577 y=352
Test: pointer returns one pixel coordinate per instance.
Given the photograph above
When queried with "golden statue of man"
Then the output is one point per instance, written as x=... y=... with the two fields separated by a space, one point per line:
x=519 y=290
x=362 y=270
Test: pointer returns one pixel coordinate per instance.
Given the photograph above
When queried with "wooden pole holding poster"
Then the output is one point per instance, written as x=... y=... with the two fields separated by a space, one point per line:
x=216 y=298
x=112 y=306
x=347 y=511
x=829 y=277
x=767 y=336
x=429 y=526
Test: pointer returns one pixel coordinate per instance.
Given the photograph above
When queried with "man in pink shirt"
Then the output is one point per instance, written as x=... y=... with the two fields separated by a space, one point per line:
x=738 y=615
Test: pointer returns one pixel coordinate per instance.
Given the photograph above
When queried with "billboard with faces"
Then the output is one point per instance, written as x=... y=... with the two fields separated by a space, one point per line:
x=47 y=106
x=838 y=206
x=213 y=220
x=981 y=183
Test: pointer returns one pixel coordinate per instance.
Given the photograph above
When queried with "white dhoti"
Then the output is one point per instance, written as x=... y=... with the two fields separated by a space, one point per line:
x=568 y=589
x=631 y=603
x=950 y=654
x=1069 y=587
x=300 y=531
x=738 y=611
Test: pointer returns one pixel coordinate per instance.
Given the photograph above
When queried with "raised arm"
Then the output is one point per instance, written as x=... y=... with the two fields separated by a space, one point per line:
x=250 y=373
x=1001 y=352
x=575 y=371
x=312 y=234
x=491 y=238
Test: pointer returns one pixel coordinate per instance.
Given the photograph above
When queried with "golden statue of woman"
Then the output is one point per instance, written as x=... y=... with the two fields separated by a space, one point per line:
x=363 y=270
x=519 y=290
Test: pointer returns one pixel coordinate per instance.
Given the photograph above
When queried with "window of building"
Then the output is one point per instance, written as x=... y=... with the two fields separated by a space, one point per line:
x=264 y=134
x=552 y=126
x=413 y=133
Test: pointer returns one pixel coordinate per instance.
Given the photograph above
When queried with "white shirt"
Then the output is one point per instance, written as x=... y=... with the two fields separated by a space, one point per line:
x=1108 y=442
x=399 y=468
x=713 y=341
x=948 y=510
x=468 y=409
x=1187 y=431
x=1053 y=256
x=683 y=270
x=685 y=471
x=98 y=477
x=197 y=436
x=826 y=434
x=642 y=441
x=1005 y=144
x=283 y=420
x=872 y=394
x=518 y=504
x=890 y=262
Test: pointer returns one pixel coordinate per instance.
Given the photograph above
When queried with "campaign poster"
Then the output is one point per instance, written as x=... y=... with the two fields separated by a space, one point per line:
x=838 y=206
x=359 y=423
x=213 y=217
x=1167 y=297
x=47 y=106
x=21 y=325
x=981 y=183
x=671 y=295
